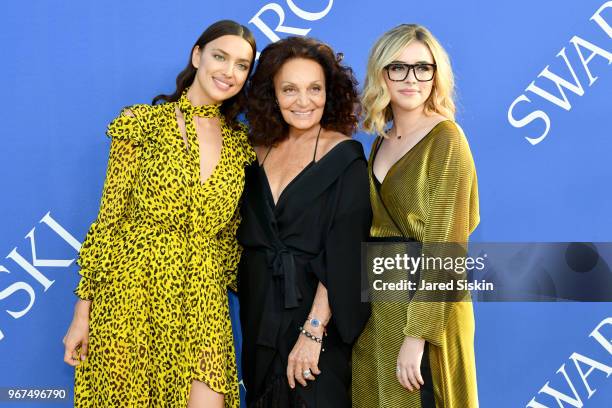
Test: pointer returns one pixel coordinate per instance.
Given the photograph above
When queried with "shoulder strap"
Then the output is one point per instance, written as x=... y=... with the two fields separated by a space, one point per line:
x=266 y=156
x=314 y=155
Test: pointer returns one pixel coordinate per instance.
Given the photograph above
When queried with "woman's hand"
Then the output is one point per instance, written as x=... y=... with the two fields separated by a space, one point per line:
x=409 y=363
x=77 y=336
x=304 y=356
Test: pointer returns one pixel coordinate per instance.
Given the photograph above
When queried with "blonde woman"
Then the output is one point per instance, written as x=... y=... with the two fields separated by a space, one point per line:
x=423 y=187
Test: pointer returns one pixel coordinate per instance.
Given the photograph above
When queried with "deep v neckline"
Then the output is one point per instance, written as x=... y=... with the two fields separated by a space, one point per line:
x=265 y=175
x=294 y=180
x=379 y=143
x=288 y=186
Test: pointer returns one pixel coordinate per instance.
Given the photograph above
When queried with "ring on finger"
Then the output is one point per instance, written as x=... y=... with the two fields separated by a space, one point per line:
x=307 y=373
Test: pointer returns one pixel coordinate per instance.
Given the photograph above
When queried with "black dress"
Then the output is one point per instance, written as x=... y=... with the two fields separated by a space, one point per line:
x=313 y=234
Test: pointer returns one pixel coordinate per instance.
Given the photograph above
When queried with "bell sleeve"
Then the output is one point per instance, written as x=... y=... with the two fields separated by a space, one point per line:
x=338 y=266
x=453 y=215
x=96 y=253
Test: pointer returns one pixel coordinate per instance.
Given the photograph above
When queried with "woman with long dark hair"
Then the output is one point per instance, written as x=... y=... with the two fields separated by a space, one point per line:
x=305 y=213
x=152 y=326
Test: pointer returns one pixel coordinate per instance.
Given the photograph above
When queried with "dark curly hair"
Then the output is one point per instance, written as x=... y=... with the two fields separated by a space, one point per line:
x=342 y=107
x=232 y=107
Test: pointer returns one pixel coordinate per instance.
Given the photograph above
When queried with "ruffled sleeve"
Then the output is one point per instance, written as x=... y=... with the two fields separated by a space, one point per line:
x=453 y=215
x=133 y=123
x=127 y=132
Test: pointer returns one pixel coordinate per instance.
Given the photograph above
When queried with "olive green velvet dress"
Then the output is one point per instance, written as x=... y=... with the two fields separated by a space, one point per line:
x=429 y=195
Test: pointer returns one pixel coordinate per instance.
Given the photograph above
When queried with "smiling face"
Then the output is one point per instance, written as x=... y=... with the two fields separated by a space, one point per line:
x=410 y=94
x=299 y=86
x=223 y=68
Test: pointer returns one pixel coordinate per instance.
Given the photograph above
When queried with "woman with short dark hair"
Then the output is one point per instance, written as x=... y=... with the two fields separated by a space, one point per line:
x=305 y=213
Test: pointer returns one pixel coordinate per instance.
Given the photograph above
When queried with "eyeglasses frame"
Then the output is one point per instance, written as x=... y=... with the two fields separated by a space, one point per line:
x=410 y=67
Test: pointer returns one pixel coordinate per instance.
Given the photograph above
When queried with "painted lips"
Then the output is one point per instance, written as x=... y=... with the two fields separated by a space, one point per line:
x=303 y=114
x=408 y=91
x=222 y=85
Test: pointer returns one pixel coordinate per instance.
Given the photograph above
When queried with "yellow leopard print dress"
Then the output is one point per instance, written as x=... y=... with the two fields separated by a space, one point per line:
x=157 y=262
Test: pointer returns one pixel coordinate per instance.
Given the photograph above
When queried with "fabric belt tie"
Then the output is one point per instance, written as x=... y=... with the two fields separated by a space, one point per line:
x=281 y=261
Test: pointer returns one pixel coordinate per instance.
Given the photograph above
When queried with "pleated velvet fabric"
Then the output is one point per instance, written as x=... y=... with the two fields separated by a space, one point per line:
x=430 y=195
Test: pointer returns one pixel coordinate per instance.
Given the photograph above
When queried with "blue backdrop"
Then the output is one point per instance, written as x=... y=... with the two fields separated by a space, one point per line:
x=542 y=152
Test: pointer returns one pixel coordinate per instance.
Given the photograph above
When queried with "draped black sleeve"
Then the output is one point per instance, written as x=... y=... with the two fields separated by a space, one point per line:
x=338 y=267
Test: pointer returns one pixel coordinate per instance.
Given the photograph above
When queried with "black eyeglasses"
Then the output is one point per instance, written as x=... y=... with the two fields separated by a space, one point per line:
x=398 y=71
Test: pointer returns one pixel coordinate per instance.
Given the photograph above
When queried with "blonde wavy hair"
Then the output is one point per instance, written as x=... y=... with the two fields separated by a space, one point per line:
x=375 y=97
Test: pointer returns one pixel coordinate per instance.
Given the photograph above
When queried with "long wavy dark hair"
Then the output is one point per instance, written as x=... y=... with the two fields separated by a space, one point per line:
x=232 y=107
x=341 y=112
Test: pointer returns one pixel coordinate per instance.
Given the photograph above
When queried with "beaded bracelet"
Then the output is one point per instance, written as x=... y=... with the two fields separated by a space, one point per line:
x=311 y=336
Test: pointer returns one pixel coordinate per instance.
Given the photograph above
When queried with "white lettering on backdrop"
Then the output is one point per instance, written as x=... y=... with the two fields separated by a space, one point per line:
x=31 y=268
x=574 y=85
x=280 y=14
x=562 y=397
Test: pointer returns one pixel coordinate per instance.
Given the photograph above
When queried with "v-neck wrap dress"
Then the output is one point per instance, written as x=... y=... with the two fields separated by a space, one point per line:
x=430 y=195
x=157 y=263
x=313 y=234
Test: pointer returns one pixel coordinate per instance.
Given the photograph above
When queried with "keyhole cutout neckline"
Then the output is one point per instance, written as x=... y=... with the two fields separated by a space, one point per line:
x=192 y=144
